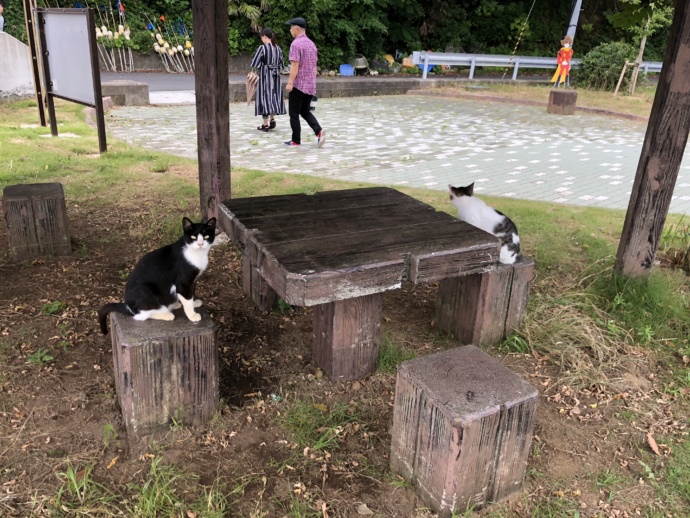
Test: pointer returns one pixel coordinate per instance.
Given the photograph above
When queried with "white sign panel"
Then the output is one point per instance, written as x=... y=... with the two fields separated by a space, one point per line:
x=69 y=56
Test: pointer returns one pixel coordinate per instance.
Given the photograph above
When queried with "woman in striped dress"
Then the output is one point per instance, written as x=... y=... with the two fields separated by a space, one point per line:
x=268 y=60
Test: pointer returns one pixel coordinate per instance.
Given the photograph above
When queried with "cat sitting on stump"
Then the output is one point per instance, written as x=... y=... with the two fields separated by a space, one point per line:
x=164 y=279
x=475 y=212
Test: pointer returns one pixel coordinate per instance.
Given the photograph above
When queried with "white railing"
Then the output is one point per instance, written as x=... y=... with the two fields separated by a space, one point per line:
x=429 y=59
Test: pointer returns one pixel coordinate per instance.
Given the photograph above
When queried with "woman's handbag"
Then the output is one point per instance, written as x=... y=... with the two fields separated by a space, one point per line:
x=252 y=82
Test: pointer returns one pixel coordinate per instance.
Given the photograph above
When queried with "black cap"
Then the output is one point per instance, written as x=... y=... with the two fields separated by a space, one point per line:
x=300 y=22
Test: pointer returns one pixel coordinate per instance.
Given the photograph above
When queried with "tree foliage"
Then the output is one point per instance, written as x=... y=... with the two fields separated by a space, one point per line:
x=343 y=29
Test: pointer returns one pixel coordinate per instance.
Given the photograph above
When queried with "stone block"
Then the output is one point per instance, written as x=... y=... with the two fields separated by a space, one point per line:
x=126 y=93
x=562 y=102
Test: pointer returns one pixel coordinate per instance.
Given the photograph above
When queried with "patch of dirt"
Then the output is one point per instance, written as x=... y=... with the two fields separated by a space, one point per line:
x=57 y=413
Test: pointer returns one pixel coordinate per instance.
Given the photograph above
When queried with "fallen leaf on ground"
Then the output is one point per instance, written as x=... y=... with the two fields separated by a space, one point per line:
x=652 y=444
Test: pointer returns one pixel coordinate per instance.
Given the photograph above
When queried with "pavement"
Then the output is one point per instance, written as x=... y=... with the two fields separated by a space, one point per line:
x=419 y=141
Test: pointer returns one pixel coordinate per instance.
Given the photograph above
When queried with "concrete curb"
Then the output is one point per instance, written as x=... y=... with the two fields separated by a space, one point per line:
x=510 y=100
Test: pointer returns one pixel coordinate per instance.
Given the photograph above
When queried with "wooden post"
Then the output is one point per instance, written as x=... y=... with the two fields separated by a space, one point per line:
x=485 y=308
x=256 y=287
x=165 y=371
x=346 y=337
x=662 y=152
x=31 y=36
x=36 y=219
x=212 y=102
x=462 y=428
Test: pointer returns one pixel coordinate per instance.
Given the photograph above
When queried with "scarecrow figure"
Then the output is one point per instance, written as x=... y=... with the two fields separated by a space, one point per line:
x=565 y=55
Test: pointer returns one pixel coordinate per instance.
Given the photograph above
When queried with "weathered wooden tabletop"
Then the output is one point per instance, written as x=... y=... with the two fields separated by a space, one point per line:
x=337 y=245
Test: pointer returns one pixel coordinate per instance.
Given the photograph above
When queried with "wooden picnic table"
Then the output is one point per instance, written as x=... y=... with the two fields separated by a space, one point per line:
x=339 y=251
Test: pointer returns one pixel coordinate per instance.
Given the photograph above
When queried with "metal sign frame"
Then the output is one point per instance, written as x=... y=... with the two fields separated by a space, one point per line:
x=79 y=53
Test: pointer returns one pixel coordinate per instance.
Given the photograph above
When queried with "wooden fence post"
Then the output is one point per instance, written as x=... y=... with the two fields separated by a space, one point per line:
x=662 y=152
x=212 y=102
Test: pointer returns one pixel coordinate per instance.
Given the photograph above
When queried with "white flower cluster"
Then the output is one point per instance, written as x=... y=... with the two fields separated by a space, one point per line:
x=163 y=47
x=104 y=32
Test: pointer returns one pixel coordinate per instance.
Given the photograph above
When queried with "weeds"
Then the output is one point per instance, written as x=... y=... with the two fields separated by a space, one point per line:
x=78 y=492
x=317 y=427
x=40 y=357
x=390 y=355
x=51 y=308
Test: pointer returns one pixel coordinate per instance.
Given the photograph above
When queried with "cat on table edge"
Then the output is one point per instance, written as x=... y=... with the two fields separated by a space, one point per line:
x=475 y=212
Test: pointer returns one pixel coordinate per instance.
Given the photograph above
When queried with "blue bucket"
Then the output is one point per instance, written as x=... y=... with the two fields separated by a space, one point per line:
x=428 y=67
x=347 y=70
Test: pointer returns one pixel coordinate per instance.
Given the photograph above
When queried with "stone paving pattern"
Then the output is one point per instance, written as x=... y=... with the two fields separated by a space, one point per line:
x=508 y=150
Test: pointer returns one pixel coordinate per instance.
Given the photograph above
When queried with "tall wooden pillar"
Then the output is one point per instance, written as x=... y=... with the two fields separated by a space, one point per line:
x=212 y=102
x=662 y=152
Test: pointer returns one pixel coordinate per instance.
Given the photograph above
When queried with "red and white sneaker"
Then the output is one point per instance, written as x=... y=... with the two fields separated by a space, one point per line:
x=291 y=143
x=321 y=138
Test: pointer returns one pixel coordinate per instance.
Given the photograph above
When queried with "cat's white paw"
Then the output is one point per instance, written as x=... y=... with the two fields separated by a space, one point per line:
x=175 y=305
x=197 y=303
x=166 y=316
x=194 y=317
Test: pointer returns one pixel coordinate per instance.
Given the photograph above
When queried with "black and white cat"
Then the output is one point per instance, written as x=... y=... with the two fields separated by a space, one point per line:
x=475 y=212
x=164 y=279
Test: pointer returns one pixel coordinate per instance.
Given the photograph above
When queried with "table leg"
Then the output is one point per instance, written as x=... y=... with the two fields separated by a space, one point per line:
x=346 y=337
x=474 y=307
x=485 y=308
x=256 y=287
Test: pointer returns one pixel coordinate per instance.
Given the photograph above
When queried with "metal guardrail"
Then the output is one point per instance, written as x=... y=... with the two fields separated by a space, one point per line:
x=429 y=59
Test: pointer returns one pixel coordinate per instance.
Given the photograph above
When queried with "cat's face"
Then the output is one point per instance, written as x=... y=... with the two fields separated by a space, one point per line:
x=457 y=192
x=199 y=236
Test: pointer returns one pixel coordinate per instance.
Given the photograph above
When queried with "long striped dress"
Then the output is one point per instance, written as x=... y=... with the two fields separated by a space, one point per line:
x=269 y=93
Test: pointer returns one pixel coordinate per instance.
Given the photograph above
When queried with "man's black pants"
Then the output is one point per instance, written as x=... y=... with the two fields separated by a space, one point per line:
x=299 y=104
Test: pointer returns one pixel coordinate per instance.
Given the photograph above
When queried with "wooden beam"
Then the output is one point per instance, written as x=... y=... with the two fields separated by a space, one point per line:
x=212 y=102
x=662 y=152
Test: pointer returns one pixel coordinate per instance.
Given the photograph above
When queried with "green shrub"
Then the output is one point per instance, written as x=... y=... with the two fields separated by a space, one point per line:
x=601 y=67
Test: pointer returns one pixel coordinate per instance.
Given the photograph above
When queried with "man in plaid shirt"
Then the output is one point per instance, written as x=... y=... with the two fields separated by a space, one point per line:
x=302 y=82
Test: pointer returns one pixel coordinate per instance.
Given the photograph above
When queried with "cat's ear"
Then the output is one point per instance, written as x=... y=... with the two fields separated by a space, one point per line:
x=187 y=224
x=470 y=189
x=211 y=222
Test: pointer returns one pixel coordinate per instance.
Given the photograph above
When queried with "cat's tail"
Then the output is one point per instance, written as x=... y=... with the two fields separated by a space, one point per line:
x=107 y=309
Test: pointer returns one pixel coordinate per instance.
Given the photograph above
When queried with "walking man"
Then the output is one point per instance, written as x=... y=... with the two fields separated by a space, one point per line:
x=2 y=20
x=302 y=83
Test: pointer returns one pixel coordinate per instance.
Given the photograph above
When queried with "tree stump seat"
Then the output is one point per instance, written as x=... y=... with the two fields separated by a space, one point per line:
x=462 y=428
x=165 y=371
x=36 y=219
x=485 y=308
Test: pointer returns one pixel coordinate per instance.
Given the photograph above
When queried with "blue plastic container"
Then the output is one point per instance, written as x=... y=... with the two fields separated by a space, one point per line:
x=428 y=67
x=347 y=70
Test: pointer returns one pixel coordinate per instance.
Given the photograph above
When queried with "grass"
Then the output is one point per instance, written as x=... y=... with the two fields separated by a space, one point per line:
x=390 y=355
x=317 y=427
x=595 y=327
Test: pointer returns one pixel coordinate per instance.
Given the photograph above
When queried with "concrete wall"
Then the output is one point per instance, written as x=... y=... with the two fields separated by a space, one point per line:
x=16 y=77
x=153 y=63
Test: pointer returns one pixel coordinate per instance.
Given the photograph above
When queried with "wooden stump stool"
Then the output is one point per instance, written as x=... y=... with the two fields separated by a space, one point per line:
x=484 y=308
x=36 y=219
x=462 y=428
x=562 y=102
x=165 y=371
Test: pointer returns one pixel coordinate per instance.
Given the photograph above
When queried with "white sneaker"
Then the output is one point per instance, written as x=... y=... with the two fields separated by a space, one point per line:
x=321 y=138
